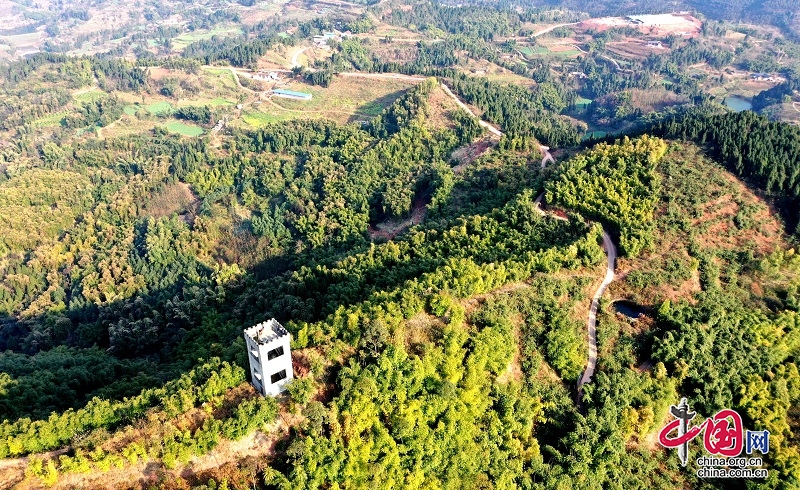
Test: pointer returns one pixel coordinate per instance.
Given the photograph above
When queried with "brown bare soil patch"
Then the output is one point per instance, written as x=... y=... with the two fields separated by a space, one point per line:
x=513 y=372
x=633 y=49
x=393 y=227
x=257 y=445
x=472 y=304
x=157 y=72
x=396 y=52
x=561 y=47
x=420 y=330
x=718 y=220
x=704 y=208
x=252 y=16
x=679 y=24
x=441 y=107
x=655 y=99
x=174 y=198
x=468 y=154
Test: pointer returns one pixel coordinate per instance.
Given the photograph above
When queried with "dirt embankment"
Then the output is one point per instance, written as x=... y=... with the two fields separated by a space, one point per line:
x=390 y=228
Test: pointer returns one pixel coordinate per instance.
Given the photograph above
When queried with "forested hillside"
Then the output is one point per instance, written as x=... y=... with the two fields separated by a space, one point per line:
x=615 y=184
x=156 y=284
x=446 y=277
x=763 y=152
x=117 y=251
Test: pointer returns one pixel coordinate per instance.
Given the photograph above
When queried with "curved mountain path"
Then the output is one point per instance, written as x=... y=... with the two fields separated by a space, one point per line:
x=546 y=156
x=462 y=105
x=608 y=244
x=611 y=250
x=578 y=48
x=591 y=321
x=552 y=28
x=235 y=73
x=296 y=58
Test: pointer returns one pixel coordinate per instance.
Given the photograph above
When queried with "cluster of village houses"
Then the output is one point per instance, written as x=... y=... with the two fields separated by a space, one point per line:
x=321 y=41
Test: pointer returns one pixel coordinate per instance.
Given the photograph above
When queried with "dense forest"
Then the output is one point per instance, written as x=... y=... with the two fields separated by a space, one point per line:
x=616 y=184
x=138 y=255
x=437 y=308
x=521 y=113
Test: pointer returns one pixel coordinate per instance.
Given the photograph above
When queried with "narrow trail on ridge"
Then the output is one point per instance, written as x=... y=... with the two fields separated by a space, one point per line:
x=591 y=321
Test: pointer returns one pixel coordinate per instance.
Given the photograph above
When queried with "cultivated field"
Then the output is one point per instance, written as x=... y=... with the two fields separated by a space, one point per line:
x=347 y=99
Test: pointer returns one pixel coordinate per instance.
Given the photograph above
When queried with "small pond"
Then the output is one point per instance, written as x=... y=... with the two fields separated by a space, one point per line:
x=738 y=104
x=628 y=308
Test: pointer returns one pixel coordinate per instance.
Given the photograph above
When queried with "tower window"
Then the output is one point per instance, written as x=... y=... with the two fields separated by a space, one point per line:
x=276 y=352
x=278 y=376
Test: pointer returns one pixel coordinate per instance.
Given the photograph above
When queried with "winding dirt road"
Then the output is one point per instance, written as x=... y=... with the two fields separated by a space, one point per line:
x=546 y=156
x=295 y=56
x=462 y=105
x=235 y=74
x=578 y=48
x=591 y=322
x=552 y=28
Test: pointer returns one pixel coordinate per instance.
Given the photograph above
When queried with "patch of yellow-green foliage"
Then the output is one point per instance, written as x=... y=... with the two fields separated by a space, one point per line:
x=259 y=119
x=38 y=204
x=615 y=184
x=224 y=74
x=90 y=95
x=219 y=101
x=50 y=120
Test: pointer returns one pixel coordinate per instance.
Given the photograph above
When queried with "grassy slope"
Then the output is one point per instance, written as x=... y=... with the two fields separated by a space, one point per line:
x=702 y=208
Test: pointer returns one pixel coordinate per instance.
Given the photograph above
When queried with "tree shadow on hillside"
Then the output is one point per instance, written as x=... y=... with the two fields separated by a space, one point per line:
x=376 y=106
x=118 y=349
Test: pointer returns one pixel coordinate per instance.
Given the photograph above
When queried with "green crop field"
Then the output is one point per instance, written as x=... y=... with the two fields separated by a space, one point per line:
x=372 y=108
x=530 y=51
x=50 y=120
x=184 y=129
x=90 y=95
x=582 y=102
x=223 y=74
x=158 y=107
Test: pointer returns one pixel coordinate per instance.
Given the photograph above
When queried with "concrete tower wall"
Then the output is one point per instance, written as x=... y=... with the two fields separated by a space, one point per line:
x=269 y=356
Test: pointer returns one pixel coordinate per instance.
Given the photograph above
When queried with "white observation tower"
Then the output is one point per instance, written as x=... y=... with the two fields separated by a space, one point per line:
x=269 y=355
